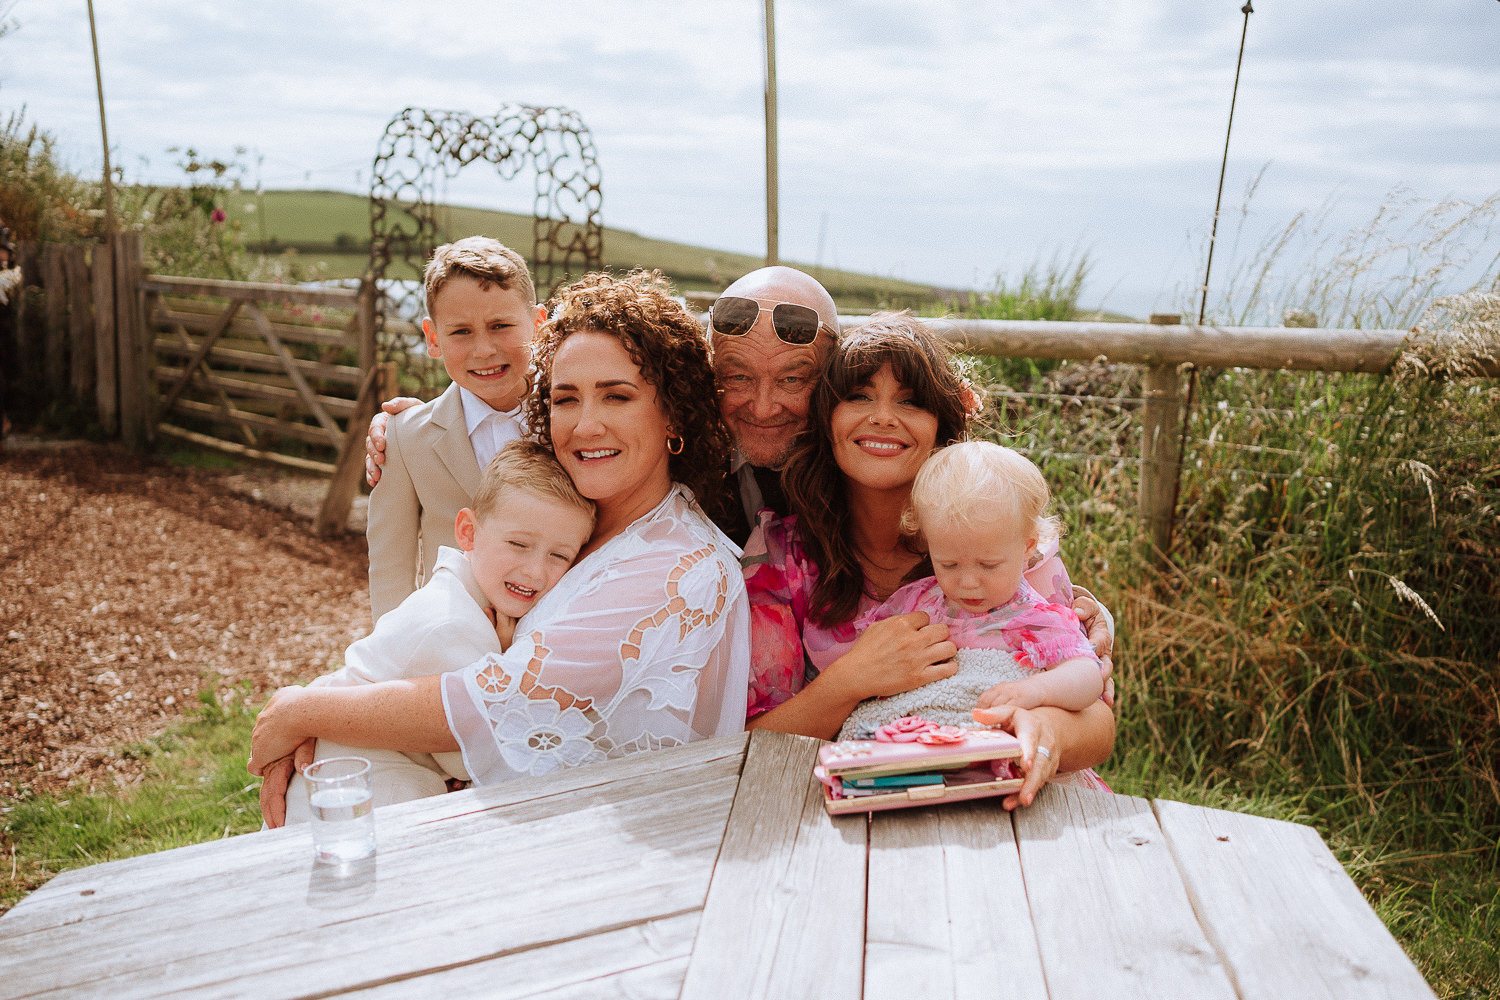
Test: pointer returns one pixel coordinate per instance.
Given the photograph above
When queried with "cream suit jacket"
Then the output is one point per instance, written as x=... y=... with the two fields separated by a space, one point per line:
x=430 y=474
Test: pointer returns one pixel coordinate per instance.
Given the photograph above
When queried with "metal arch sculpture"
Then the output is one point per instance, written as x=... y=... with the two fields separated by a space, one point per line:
x=420 y=147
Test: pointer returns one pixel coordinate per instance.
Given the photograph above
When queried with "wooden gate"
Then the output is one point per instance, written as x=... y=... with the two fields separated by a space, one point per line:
x=266 y=371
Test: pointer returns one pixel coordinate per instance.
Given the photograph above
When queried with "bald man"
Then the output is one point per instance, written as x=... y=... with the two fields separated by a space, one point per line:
x=771 y=333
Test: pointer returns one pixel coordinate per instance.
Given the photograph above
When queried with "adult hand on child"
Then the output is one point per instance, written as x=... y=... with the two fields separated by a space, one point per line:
x=1099 y=625
x=1039 y=747
x=375 y=437
x=896 y=654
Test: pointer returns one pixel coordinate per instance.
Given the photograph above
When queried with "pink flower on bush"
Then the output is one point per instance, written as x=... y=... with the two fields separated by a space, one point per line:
x=903 y=730
x=942 y=735
x=218 y=215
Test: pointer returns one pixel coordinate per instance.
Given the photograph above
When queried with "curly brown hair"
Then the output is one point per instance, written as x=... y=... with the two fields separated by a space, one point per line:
x=667 y=344
x=815 y=484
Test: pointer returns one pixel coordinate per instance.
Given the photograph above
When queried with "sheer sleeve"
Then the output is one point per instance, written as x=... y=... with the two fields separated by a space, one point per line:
x=779 y=581
x=642 y=645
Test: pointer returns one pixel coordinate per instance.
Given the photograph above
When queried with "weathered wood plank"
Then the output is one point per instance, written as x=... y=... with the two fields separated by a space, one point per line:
x=247 y=419
x=636 y=962
x=474 y=886
x=247 y=389
x=244 y=451
x=129 y=335
x=777 y=922
x=1112 y=917
x=80 y=324
x=1148 y=344
x=196 y=317
x=55 y=308
x=1281 y=911
x=106 y=371
x=257 y=361
x=252 y=291
x=947 y=906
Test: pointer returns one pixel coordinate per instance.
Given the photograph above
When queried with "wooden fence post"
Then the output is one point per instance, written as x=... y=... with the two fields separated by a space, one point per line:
x=55 y=309
x=80 y=329
x=134 y=409
x=106 y=375
x=380 y=382
x=1161 y=422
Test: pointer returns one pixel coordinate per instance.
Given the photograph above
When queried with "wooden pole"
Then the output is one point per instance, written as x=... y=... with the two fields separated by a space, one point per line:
x=1160 y=458
x=80 y=325
x=350 y=467
x=773 y=223
x=106 y=375
x=109 y=186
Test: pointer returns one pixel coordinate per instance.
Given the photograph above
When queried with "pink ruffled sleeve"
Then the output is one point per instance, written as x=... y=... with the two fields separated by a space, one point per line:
x=779 y=580
x=1045 y=635
x=1048 y=576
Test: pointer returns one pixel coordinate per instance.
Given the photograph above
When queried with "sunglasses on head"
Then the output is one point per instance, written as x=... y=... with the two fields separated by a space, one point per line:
x=733 y=316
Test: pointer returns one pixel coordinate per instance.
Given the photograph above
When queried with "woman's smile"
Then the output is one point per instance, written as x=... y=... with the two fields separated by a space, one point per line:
x=881 y=436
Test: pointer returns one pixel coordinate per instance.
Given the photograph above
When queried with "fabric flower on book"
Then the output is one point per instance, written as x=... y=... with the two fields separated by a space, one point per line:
x=903 y=730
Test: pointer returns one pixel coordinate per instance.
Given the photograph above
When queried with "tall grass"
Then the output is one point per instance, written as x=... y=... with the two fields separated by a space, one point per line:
x=1323 y=646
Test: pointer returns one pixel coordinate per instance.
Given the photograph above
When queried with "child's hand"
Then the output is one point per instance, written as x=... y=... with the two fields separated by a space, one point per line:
x=1020 y=694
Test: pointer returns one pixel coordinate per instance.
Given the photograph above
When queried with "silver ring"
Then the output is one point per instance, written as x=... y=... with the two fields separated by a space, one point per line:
x=1044 y=752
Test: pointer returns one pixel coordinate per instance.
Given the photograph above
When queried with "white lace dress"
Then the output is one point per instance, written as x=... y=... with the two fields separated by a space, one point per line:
x=645 y=643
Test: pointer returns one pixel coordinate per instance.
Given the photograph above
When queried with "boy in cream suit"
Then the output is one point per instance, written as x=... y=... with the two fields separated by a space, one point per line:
x=526 y=526
x=482 y=318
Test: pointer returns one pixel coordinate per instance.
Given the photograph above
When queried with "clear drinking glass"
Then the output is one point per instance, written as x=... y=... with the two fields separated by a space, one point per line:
x=343 y=816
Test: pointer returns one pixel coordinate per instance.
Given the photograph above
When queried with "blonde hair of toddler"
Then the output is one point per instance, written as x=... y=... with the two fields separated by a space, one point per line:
x=974 y=484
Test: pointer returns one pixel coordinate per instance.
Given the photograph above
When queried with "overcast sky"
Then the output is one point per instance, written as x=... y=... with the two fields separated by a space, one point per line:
x=936 y=140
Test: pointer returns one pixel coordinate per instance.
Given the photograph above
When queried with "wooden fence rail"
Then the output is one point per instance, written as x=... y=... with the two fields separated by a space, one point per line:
x=1164 y=346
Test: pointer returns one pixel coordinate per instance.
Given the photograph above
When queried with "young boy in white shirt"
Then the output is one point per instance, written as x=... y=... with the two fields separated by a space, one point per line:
x=524 y=529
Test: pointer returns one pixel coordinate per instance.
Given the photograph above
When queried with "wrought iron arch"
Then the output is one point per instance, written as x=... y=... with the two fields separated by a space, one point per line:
x=420 y=147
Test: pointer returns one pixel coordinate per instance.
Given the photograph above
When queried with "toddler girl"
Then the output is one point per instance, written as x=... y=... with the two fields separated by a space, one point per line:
x=981 y=509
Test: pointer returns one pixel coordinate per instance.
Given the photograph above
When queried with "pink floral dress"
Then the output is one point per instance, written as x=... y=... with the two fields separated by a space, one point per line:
x=787 y=649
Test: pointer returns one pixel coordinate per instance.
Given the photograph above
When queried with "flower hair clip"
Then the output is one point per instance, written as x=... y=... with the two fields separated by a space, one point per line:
x=971 y=399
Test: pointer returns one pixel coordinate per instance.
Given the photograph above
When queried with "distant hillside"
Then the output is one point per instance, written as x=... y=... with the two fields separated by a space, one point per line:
x=332 y=228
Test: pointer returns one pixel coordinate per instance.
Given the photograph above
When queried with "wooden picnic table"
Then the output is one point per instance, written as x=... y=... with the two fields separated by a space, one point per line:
x=712 y=871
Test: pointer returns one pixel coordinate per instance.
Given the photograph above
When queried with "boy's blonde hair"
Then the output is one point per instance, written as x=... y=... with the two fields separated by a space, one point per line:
x=978 y=482
x=532 y=469
x=486 y=260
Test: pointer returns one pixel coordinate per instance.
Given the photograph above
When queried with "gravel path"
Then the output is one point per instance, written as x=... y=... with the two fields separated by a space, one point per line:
x=127 y=586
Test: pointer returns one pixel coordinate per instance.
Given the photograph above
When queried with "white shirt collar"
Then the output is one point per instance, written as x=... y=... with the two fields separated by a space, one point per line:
x=476 y=410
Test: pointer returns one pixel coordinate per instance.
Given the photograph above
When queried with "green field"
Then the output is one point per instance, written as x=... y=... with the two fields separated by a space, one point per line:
x=330 y=231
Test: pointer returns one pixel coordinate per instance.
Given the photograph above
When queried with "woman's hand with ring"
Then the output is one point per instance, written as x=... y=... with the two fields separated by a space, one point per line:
x=1038 y=759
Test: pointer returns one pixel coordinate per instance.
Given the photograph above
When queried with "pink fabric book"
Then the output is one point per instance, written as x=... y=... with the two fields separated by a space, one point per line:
x=915 y=762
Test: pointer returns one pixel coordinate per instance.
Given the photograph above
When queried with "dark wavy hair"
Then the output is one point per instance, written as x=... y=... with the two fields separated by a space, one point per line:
x=815 y=484
x=670 y=348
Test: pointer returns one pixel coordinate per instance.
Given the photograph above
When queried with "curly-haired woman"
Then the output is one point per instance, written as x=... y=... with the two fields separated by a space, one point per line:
x=644 y=642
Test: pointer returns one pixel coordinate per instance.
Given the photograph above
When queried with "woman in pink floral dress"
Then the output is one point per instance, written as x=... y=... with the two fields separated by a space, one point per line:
x=888 y=398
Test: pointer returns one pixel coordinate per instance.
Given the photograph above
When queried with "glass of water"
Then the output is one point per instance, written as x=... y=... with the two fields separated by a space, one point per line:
x=343 y=817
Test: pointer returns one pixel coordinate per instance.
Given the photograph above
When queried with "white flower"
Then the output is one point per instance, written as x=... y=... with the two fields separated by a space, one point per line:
x=538 y=737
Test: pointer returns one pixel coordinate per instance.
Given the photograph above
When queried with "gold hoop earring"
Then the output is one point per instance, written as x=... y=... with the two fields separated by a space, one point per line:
x=678 y=449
